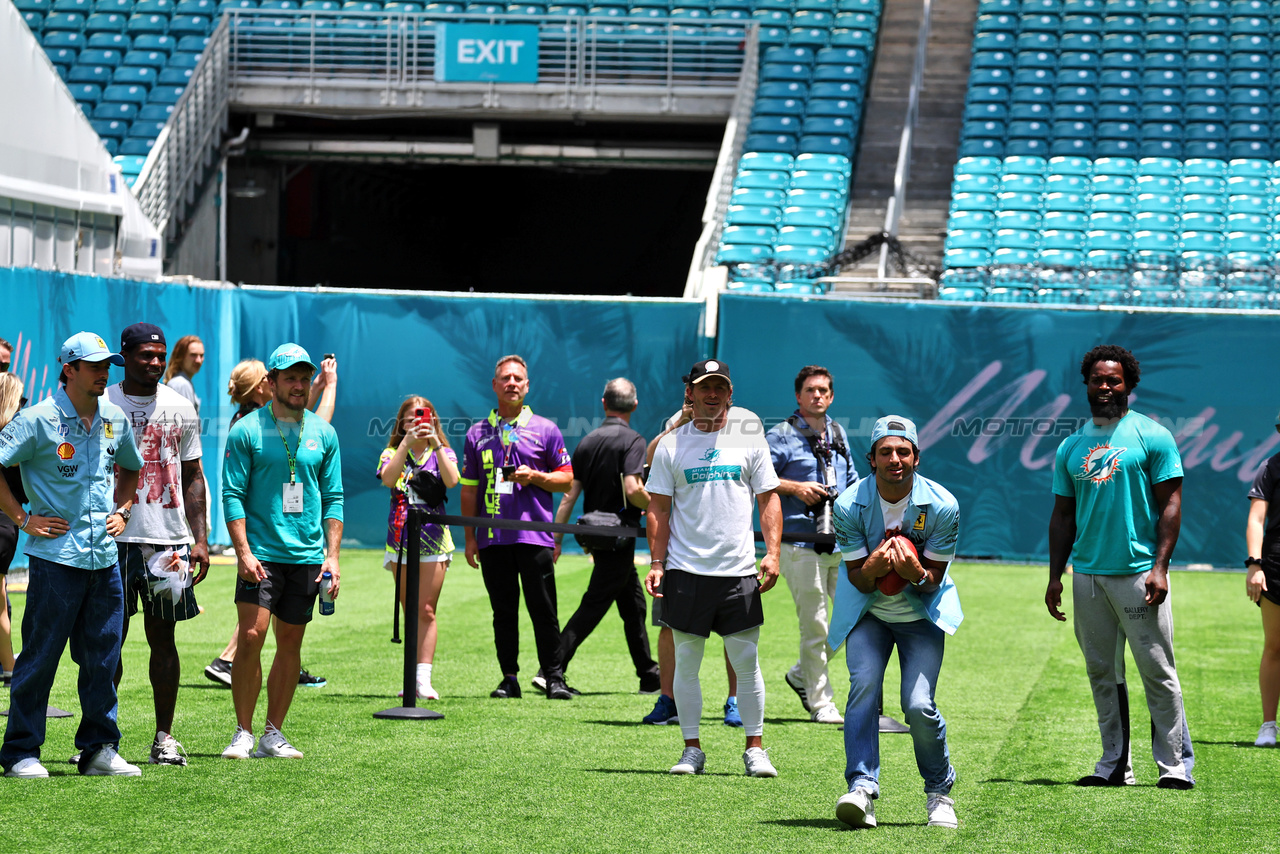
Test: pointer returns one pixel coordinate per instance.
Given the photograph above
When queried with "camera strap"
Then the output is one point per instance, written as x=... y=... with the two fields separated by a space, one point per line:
x=819 y=447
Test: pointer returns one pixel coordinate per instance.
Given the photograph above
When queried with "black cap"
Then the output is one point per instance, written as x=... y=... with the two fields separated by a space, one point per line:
x=707 y=368
x=141 y=333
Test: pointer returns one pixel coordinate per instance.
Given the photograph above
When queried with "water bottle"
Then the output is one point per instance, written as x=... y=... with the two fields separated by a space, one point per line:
x=326 y=593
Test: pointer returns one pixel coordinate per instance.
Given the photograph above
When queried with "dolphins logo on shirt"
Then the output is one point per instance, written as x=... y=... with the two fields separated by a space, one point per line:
x=1100 y=464
x=710 y=455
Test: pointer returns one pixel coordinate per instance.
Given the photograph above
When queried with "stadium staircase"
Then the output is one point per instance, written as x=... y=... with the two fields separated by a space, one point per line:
x=1118 y=152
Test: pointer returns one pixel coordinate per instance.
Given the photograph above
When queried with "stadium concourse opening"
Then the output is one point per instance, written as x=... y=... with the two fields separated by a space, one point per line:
x=564 y=207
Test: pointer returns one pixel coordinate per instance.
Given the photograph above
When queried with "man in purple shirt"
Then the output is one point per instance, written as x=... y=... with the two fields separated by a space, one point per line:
x=512 y=462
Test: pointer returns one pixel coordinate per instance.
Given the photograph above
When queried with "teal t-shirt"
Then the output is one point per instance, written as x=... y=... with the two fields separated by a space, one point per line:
x=255 y=471
x=1109 y=471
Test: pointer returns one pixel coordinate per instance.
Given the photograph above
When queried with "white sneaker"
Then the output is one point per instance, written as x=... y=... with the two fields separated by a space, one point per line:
x=108 y=763
x=827 y=715
x=758 y=764
x=273 y=745
x=942 y=811
x=857 y=808
x=241 y=746
x=692 y=761
x=29 y=767
x=426 y=692
x=168 y=752
x=1266 y=735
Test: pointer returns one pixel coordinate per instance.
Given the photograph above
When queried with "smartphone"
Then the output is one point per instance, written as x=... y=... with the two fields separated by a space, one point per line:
x=507 y=471
x=421 y=415
x=326 y=356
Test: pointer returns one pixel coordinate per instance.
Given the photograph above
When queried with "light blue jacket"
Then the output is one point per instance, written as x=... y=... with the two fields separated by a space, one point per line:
x=67 y=472
x=931 y=522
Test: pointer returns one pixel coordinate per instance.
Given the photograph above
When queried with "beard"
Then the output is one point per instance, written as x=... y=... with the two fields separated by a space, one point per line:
x=1112 y=409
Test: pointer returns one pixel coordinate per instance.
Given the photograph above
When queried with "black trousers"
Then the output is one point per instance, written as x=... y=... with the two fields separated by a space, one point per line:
x=505 y=570
x=613 y=581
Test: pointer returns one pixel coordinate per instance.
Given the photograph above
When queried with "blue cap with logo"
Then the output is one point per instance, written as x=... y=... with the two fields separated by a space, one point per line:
x=88 y=347
x=288 y=355
x=894 y=425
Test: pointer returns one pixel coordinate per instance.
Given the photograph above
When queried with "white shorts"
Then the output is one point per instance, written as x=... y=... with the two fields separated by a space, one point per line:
x=389 y=560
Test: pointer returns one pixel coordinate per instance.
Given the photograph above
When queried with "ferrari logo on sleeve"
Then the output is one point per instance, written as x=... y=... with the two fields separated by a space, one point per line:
x=920 y=520
x=108 y=430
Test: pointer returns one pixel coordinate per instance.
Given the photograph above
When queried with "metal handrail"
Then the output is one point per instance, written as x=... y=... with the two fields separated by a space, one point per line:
x=721 y=190
x=172 y=175
x=893 y=213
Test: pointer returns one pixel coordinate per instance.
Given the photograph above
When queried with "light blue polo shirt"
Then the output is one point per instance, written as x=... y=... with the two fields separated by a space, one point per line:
x=1109 y=472
x=931 y=522
x=67 y=472
x=793 y=459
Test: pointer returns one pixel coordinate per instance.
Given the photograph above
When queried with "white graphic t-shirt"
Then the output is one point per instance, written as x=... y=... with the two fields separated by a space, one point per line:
x=713 y=479
x=168 y=434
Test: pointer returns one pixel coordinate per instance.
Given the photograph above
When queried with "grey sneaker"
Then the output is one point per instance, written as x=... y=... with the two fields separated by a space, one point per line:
x=241 y=746
x=692 y=761
x=108 y=763
x=1266 y=735
x=758 y=764
x=273 y=745
x=857 y=808
x=168 y=752
x=942 y=811
x=29 y=768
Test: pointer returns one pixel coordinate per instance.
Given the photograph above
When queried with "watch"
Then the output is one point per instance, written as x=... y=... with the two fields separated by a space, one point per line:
x=924 y=579
x=1252 y=560
x=123 y=513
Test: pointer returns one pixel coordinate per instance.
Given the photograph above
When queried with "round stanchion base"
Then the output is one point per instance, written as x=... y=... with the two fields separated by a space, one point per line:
x=409 y=713
x=888 y=724
x=49 y=712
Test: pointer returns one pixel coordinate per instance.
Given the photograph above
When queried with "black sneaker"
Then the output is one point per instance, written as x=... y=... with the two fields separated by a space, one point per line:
x=650 y=684
x=557 y=690
x=219 y=670
x=305 y=678
x=800 y=690
x=508 y=689
x=1174 y=783
x=539 y=681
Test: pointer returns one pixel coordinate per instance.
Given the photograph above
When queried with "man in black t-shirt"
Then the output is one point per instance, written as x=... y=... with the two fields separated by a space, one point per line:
x=608 y=467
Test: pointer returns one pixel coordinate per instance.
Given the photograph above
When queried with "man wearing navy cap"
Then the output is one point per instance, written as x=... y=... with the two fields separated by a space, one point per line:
x=897 y=532
x=69 y=445
x=282 y=499
x=705 y=477
x=164 y=549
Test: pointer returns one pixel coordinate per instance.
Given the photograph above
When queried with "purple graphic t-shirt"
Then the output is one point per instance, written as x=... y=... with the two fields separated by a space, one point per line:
x=529 y=440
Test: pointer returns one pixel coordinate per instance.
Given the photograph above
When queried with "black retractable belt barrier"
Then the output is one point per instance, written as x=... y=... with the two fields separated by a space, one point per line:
x=596 y=530
x=408 y=708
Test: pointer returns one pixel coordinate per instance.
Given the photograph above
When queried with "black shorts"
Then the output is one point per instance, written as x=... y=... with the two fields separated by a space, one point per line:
x=139 y=582
x=289 y=591
x=702 y=604
x=8 y=543
x=1271 y=573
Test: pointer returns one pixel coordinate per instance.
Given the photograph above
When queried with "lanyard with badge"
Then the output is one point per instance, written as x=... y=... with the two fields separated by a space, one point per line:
x=292 y=489
x=508 y=435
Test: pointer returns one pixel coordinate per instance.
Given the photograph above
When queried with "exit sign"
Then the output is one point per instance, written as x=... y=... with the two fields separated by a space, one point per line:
x=486 y=53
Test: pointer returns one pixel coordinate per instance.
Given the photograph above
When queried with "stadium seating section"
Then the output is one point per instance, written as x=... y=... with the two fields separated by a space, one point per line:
x=787 y=212
x=1118 y=151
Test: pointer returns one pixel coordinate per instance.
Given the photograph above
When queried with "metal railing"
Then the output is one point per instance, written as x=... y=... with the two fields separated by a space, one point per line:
x=580 y=57
x=399 y=51
x=721 y=190
x=190 y=144
x=893 y=214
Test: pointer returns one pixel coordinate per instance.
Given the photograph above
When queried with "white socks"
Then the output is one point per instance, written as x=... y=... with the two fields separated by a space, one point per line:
x=424 y=678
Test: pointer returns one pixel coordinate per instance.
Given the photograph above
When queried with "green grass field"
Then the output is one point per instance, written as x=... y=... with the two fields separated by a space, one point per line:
x=534 y=775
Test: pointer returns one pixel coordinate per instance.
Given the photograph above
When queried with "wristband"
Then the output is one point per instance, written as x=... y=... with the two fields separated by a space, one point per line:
x=662 y=562
x=25 y=522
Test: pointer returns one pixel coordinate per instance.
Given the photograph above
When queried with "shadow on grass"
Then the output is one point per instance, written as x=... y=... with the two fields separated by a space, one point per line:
x=656 y=771
x=1224 y=743
x=1039 y=781
x=830 y=823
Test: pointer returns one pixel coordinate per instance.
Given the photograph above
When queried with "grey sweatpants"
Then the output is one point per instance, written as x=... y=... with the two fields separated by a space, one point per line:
x=1110 y=609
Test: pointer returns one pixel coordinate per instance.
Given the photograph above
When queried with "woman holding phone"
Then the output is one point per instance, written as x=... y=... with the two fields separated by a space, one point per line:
x=417 y=442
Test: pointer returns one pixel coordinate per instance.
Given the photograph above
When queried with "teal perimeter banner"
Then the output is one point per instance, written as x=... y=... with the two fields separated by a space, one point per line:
x=443 y=347
x=993 y=392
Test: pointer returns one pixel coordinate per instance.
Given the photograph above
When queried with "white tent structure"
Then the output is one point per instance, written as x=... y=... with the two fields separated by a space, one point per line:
x=63 y=203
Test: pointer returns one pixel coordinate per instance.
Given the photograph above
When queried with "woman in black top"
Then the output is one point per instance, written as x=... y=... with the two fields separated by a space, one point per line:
x=248 y=388
x=1262 y=585
x=11 y=401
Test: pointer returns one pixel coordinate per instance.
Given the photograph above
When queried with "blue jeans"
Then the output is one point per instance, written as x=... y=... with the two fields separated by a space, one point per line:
x=85 y=607
x=867 y=651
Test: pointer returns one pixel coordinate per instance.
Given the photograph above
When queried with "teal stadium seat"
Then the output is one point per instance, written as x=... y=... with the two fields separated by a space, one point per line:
x=800 y=255
x=762 y=179
x=759 y=235
x=814 y=217
x=757 y=196
x=757 y=160
x=967 y=257
x=801 y=235
x=753 y=215
x=816 y=199
x=745 y=254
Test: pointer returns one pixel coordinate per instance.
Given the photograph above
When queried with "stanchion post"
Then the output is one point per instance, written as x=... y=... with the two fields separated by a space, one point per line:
x=412 y=569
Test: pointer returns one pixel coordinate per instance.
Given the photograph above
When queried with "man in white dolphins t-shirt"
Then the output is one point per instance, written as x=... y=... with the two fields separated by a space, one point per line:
x=702 y=481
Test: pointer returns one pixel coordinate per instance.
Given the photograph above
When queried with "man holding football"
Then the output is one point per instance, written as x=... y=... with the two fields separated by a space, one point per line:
x=897 y=532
